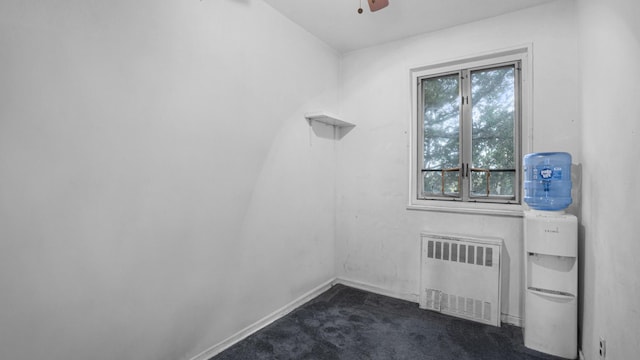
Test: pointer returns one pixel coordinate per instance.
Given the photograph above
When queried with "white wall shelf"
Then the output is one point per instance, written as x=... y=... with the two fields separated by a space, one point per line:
x=327 y=118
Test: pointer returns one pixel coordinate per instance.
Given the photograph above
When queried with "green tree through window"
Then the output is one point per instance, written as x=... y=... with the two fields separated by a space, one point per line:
x=469 y=123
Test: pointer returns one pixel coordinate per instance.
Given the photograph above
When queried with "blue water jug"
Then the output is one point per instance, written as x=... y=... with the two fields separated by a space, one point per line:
x=547 y=180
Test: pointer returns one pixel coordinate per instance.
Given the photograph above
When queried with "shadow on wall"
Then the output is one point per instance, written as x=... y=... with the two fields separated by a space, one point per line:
x=576 y=191
x=576 y=209
x=330 y=132
x=505 y=288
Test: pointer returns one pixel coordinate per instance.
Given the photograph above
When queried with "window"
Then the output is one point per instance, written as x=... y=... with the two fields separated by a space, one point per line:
x=468 y=122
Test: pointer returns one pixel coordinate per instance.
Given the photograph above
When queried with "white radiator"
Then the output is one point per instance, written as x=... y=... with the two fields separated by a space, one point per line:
x=460 y=276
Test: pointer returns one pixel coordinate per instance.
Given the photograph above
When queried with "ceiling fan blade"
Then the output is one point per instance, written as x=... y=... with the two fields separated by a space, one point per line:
x=375 y=5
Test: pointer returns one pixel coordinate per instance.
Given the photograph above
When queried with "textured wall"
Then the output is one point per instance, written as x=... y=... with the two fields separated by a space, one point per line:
x=159 y=187
x=378 y=238
x=609 y=58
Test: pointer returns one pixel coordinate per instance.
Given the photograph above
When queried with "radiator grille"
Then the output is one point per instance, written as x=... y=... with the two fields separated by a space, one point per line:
x=447 y=250
x=460 y=276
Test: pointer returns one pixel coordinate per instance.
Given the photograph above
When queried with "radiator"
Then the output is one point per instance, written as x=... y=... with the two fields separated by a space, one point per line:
x=460 y=276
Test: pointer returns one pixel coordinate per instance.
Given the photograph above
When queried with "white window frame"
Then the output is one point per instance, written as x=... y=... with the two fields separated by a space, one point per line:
x=522 y=54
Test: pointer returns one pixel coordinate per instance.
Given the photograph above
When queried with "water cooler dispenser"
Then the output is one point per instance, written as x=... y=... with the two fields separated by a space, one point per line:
x=551 y=255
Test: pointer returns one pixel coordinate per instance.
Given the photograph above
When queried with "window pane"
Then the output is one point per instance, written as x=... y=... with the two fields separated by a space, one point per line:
x=493 y=124
x=433 y=183
x=479 y=182
x=441 y=99
x=500 y=183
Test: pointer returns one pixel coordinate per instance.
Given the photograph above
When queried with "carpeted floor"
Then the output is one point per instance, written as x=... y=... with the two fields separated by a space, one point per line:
x=349 y=324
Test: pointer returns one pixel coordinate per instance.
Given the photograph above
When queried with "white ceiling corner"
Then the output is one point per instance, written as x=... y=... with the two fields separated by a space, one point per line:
x=337 y=22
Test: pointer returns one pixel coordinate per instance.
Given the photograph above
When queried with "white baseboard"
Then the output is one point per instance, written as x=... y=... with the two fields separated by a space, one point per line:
x=580 y=354
x=376 y=290
x=505 y=318
x=511 y=319
x=242 y=334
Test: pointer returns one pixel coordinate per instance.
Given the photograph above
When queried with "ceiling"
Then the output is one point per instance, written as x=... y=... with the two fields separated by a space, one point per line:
x=338 y=23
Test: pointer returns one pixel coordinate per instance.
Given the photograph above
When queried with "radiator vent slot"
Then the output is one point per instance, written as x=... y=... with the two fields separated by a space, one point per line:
x=460 y=276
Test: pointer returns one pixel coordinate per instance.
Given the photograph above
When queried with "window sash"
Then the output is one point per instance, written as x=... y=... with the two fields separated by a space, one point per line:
x=465 y=169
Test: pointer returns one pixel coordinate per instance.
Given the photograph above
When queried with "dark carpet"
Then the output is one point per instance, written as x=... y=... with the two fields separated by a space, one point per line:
x=349 y=324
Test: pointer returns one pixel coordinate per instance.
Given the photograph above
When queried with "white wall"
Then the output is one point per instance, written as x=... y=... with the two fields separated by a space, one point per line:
x=378 y=238
x=609 y=58
x=145 y=148
x=159 y=187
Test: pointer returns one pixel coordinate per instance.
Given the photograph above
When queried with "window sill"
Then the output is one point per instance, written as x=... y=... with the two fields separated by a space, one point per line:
x=512 y=210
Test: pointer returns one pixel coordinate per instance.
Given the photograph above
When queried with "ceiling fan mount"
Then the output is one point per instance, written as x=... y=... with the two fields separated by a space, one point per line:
x=374 y=5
